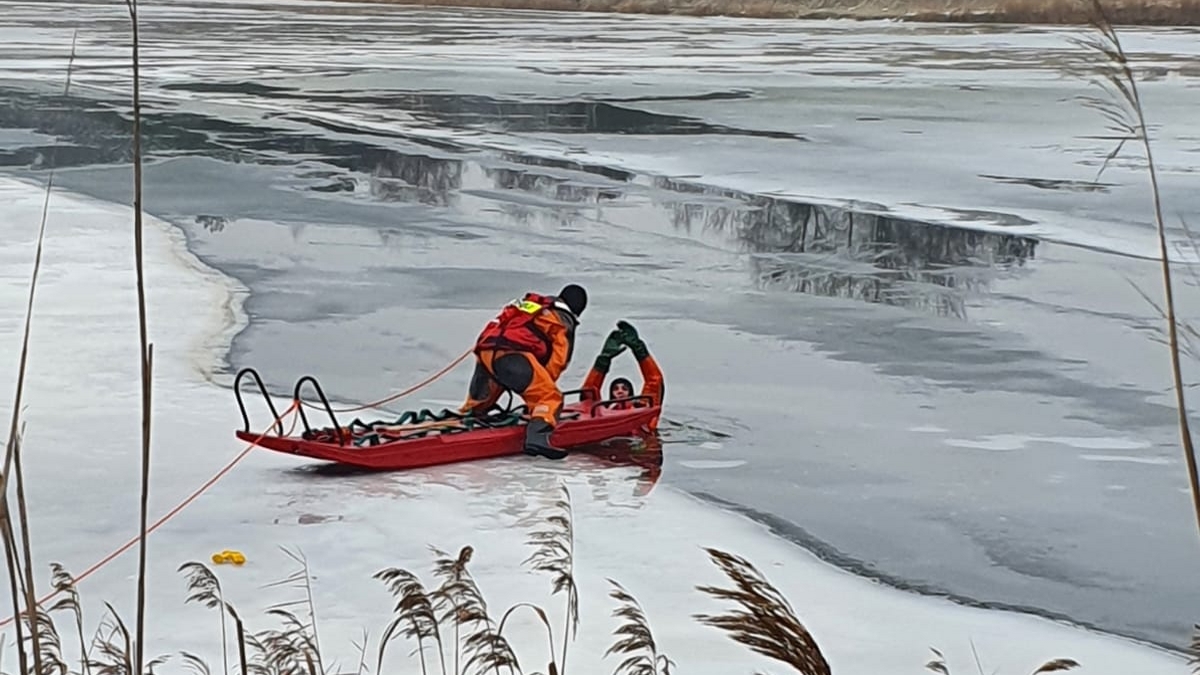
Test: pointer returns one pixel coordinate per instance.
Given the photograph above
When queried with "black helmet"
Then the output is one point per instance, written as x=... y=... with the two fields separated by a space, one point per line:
x=574 y=297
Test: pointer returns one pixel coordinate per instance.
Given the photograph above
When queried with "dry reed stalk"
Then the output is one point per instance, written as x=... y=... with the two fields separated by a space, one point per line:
x=241 y=637
x=205 y=588
x=551 y=665
x=146 y=349
x=31 y=607
x=554 y=552
x=50 y=658
x=289 y=651
x=195 y=663
x=302 y=580
x=14 y=573
x=1057 y=665
x=64 y=584
x=938 y=664
x=414 y=616
x=1122 y=107
x=113 y=652
x=461 y=600
x=635 y=638
x=1194 y=650
x=362 y=654
x=12 y=457
x=766 y=622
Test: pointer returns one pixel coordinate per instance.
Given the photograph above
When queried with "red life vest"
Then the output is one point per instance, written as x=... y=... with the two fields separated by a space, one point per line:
x=514 y=328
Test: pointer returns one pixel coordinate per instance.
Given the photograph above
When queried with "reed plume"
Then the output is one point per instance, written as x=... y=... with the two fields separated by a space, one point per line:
x=554 y=552
x=1194 y=650
x=460 y=599
x=634 y=638
x=205 y=588
x=413 y=616
x=1121 y=106
x=64 y=584
x=938 y=665
x=765 y=622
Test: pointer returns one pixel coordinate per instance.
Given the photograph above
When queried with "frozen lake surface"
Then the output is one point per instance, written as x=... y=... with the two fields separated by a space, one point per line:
x=868 y=255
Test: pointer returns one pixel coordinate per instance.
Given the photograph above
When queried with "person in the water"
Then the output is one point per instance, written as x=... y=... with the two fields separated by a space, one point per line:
x=653 y=389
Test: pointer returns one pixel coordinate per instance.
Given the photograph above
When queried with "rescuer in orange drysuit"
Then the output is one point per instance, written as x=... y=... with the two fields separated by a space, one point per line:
x=626 y=335
x=525 y=350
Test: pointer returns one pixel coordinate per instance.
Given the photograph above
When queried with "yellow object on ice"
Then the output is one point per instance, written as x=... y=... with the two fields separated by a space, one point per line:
x=228 y=556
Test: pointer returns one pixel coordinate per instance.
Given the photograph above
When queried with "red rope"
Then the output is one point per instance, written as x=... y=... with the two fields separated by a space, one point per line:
x=296 y=403
x=427 y=381
x=170 y=514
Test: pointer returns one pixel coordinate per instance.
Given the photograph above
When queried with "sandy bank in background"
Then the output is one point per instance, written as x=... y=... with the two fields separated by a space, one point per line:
x=1128 y=12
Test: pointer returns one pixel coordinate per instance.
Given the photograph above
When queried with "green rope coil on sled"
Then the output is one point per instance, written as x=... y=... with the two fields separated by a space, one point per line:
x=368 y=434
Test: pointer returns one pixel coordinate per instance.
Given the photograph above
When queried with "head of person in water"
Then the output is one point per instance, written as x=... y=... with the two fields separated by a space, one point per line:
x=620 y=388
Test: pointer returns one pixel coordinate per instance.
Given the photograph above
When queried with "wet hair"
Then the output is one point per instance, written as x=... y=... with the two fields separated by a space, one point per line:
x=620 y=380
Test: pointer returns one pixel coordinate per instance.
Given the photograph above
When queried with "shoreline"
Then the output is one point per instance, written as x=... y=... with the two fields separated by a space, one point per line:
x=1126 y=13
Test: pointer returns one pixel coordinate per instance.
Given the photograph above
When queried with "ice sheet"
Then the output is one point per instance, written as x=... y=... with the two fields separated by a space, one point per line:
x=81 y=457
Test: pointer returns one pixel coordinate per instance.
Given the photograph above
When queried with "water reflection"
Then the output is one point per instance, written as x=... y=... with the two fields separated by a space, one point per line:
x=645 y=454
x=617 y=470
x=793 y=246
x=424 y=179
x=555 y=188
x=805 y=248
x=212 y=224
x=835 y=252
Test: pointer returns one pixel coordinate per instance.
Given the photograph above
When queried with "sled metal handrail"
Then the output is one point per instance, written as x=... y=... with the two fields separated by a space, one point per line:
x=324 y=401
x=262 y=389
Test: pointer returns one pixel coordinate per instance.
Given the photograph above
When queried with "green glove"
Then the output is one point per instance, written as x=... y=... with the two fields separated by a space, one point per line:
x=630 y=337
x=613 y=346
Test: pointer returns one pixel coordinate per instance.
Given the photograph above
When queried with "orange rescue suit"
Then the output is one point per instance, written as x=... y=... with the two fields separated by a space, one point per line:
x=524 y=350
x=652 y=384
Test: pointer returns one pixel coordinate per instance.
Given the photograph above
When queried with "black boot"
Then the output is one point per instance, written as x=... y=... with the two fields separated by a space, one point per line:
x=537 y=440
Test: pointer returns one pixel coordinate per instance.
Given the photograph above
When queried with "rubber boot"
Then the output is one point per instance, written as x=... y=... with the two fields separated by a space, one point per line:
x=537 y=440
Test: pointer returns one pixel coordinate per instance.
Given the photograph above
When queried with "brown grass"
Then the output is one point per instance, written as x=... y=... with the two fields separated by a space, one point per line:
x=553 y=540
x=1126 y=12
x=762 y=620
x=634 y=638
x=938 y=665
x=765 y=622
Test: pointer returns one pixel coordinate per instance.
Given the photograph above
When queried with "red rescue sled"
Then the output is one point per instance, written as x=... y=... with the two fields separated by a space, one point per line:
x=428 y=438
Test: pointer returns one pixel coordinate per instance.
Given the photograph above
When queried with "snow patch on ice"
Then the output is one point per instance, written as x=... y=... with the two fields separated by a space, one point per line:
x=1157 y=461
x=996 y=442
x=1007 y=442
x=712 y=463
